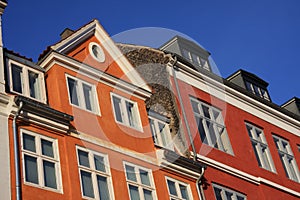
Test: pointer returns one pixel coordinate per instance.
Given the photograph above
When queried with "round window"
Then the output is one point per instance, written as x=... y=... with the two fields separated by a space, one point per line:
x=97 y=52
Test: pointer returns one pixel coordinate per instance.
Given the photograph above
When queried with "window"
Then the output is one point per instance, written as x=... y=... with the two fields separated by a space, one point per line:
x=94 y=175
x=222 y=193
x=26 y=81
x=82 y=95
x=287 y=158
x=260 y=147
x=160 y=132
x=211 y=126
x=178 y=190
x=140 y=182
x=258 y=91
x=195 y=59
x=126 y=111
x=97 y=52
x=40 y=160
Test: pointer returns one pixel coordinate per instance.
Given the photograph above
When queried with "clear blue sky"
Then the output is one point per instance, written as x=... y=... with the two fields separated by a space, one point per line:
x=260 y=36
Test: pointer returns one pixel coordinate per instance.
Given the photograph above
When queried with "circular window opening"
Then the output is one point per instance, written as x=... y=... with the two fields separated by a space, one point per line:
x=97 y=52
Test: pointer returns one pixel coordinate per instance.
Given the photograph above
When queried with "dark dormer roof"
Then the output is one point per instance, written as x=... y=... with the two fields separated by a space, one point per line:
x=292 y=105
x=249 y=76
x=22 y=59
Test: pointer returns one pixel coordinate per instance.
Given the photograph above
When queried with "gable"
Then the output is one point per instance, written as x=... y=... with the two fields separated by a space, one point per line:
x=79 y=46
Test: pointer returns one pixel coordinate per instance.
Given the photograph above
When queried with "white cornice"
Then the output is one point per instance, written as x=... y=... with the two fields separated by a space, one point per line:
x=243 y=175
x=93 y=73
x=237 y=99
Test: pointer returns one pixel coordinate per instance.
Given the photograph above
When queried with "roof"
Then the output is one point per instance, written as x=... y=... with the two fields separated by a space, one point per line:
x=252 y=76
x=22 y=59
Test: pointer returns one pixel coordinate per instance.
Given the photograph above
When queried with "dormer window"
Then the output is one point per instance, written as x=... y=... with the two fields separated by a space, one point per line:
x=195 y=59
x=258 y=91
x=26 y=81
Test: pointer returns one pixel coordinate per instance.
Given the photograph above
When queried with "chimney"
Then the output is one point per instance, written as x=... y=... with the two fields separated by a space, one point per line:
x=3 y=4
x=66 y=33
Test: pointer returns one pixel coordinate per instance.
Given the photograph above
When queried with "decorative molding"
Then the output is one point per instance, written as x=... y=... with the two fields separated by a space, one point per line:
x=243 y=175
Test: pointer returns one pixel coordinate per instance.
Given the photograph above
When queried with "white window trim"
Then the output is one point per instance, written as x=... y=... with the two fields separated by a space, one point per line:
x=25 y=81
x=124 y=113
x=94 y=172
x=264 y=95
x=223 y=142
x=169 y=140
x=95 y=103
x=101 y=57
x=139 y=184
x=40 y=158
x=285 y=161
x=259 y=146
x=177 y=182
x=224 y=189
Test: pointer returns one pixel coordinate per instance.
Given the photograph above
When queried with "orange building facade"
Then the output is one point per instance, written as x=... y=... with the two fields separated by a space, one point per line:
x=85 y=122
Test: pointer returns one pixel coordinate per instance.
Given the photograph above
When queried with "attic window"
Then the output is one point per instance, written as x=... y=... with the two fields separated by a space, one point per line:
x=97 y=52
x=258 y=91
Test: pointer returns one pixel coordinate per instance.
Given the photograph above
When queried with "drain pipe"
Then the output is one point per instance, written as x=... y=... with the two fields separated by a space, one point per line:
x=198 y=182
x=16 y=152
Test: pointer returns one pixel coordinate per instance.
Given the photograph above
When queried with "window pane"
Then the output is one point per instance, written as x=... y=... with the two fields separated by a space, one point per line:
x=130 y=113
x=144 y=177
x=163 y=133
x=87 y=185
x=201 y=129
x=31 y=172
x=283 y=164
x=103 y=188
x=83 y=158
x=147 y=194
x=218 y=193
x=205 y=110
x=99 y=163
x=49 y=174
x=73 y=91
x=228 y=195
x=130 y=173
x=117 y=107
x=87 y=92
x=195 y=107
x=17 y=78
x=240 y=198
x=47 y=148
x=153 y=131
x=29 y=142
x=172 y=189
x=256 y=154
x=33 y=84
x=183 y=191
x=293 y=175
x=134 y=193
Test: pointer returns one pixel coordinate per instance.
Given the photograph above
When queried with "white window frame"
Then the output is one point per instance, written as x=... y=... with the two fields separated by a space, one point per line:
x=92 y=170
x=124 y=114
x=179 y=195
x=139 y=183
x=260 y=92
x=262 y=152
x=80 y=95
x=40 y=158
x=222 y=140
x=157 y=133
x=224 y=190
x=25 y=81
x=286 y=155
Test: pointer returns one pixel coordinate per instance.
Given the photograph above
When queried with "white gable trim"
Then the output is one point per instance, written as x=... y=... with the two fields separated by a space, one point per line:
x=94 y=28
x=93 y=73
